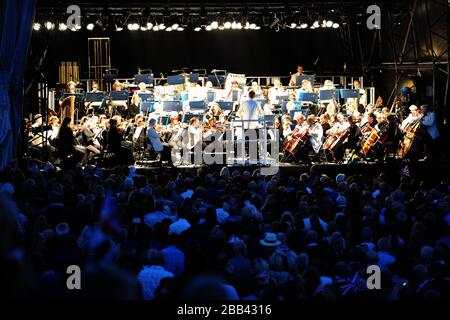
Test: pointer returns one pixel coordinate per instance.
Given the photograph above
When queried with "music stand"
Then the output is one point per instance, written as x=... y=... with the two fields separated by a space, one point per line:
x=194 y=77
x=175 y=79
x=328 y=94
x=349 y=93
x=299 y=79
x=188 y=116
x=145 y=78
x=235 y=95
x=217 y=80
x=164 y=120
x=197 y=106
x=226 y=105
x=95 y=99
x=119 y=98
x=172 y=106
x=147 y=106
x=308 y=97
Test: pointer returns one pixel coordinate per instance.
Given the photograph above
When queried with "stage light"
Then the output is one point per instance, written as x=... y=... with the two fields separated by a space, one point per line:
x=234 y=25
x=227 y=25
x=62 y=27
x=78 y=27
x=168 y=29
x=293 y=25
x=315 y=25
x=208 y=28
x=90 y=26
x=119 y=28
x=257 y=28
x=149 y=25
x=304 y=25
x=221 y=28
x=175 y=26
x=130 y=26
x=136 y=26
x=329 y=24
x=161 y=26
x=180 y=29
x=239 y=26
x=335 y=25
x=36 y=26
x=143 y=28
x=155 y=28
x=49 y=25
x=252 y=26
x=197 y=29
x=214 y=24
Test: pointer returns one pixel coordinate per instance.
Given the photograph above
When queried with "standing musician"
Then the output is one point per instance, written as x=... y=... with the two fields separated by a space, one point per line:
x=314 y=142
x=250 y=110
x=276 y=91
x=299 y=72
x=155 y=142
x=432 y=135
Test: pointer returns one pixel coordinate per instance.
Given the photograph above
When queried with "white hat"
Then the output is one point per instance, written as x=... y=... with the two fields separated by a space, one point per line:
x=270 y=240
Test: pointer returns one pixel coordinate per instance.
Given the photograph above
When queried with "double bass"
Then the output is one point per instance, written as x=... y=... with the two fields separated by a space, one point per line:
x=410 y=135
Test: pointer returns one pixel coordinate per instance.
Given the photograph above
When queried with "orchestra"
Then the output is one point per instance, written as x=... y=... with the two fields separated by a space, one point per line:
x=334 y=130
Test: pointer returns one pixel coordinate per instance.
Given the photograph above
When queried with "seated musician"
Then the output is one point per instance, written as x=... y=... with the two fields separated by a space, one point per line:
x=155 y=142
x=299 y=72
x=328 y=85
x=306 y=86
x=325 y=122
x=234 y=87
x=286 y=126
x=369 y=123
x=88 y=137
x=351 y=143
x=314 y=142
x=276 y=91
x=290 y=105
x=213 y=112
x=255 y=88
x=66 y=142
x=136 y=99
x=95 y=87
x=392 y=135
x=54 y=122
x=413 y=117
x=114 y=144
x=117 y=86
x=357 y=104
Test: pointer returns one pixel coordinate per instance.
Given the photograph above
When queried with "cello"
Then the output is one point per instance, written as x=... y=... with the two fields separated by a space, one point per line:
x=298 y=136
x=410 y=132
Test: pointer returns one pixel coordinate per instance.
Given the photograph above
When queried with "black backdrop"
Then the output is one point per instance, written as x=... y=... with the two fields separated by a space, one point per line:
x=258 y=52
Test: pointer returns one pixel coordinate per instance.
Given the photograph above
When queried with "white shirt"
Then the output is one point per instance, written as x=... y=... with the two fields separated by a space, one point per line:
x=250 y=110
x=194 y=136
x=315 y=136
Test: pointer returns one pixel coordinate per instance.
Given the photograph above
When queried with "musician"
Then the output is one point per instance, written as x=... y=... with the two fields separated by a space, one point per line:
x=325 y=122
x=328 y=85
x=66 y=142
x=88 y=137
x=250 y=110
x=276 y=91
x=290 y=105
x=114 y=144
x=432 y=135
x=339 y=126
x=117 y=86
x=314 y=142
x=234 y=87
x=95 y=87
x=359 y=103
x=299 y=72
x=255 y=88
x=351 y=143
x=391 y=136
x=369 y=123
x=136 y=100
x=413 y=117
x=155 y=142
x=213 y=112
x=286 y=127
x=67 y=105
x=54 y=122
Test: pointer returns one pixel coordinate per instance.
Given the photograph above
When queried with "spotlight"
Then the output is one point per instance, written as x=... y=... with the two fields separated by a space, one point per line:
x=155 y=28
x=315 y=25
x=143 y=28
x=293 y=25
x=329 y=24
x=257 y=28
x=149 y=25
x=214 y=24
x=49 y=25
x=234 y=25
x=62 y=27
x=252 y=26
x=119 y=28
x=221 y=28
x=304 y=25
x=168 y=29
x=161 y=26
x=37 y=26
x=197 y=29
x=175 y=26
x=135 y=26
x=180 y=29
x=227 y=25
x=335 y=25
x=239 y=26
x=90 y=26
x=208 y=28
x=130 y=26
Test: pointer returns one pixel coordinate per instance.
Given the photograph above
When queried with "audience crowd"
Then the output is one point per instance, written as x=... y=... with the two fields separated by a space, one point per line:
x=222 y=234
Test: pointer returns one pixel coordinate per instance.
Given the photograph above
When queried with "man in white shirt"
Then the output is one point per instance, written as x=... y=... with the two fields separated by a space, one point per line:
x=299 y=72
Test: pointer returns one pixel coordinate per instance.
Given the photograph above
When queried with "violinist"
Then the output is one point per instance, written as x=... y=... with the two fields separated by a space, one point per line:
x=66 y=142
x=114 y=144
x=136 y=99
x=155 y=142
x=214 y=112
